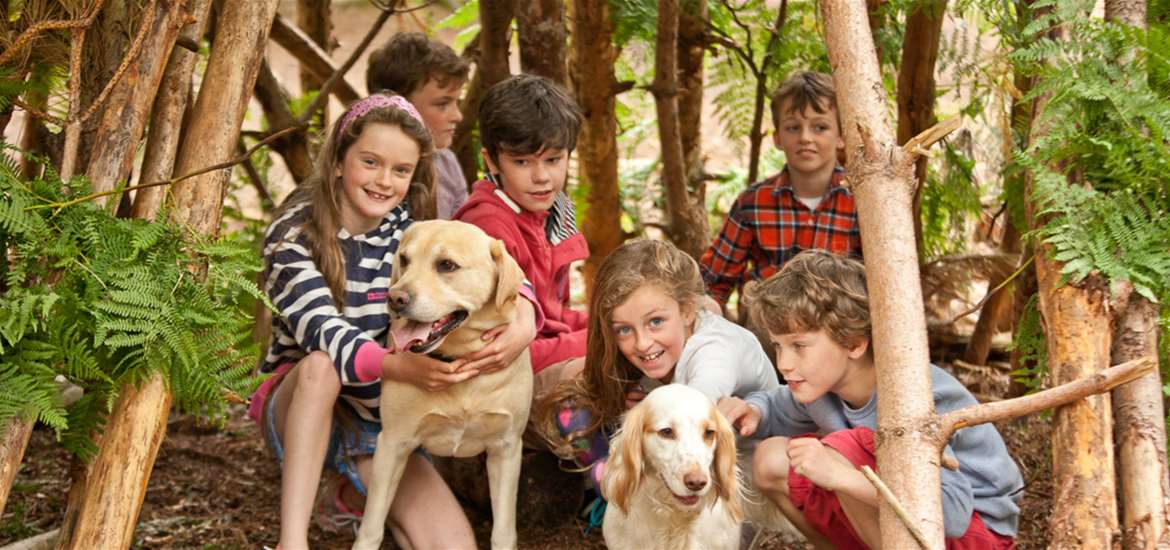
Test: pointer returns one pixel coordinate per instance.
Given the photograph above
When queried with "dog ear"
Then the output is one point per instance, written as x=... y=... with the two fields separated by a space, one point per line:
x=624 y=472
x=726 y=472
x=509 y=277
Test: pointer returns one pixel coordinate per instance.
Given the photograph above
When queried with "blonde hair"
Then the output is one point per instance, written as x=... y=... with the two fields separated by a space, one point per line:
x=815 y=290
x=602 y=386
x=322 y=191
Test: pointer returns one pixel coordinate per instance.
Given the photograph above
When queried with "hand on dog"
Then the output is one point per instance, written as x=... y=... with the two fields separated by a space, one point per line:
x=506 y=342
x=813 y=460
x=740 y=414
x=424 y=372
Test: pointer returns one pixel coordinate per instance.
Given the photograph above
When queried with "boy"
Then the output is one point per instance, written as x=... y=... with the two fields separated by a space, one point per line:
x=816 y=313
x=430 y=76
x=801 y=208
x=528 y=127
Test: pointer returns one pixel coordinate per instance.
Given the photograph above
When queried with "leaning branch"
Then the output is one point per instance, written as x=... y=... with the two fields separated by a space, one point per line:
x=38 y=28
x=323 y=94
x=894 y=503
x=310 y=55
x=1061 y=395
x=918 y=144
x=135 y=47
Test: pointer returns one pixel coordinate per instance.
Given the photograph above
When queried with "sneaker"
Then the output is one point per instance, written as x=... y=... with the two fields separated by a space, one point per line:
x=333 y=515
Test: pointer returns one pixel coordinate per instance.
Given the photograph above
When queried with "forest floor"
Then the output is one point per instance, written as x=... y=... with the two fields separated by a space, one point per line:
x=218 y=488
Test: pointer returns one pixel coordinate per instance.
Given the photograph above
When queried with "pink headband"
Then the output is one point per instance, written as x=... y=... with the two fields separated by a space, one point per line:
x=377 y=101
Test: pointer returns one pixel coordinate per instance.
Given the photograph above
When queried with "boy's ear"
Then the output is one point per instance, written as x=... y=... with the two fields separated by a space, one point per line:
x=856 y=351
x=487 y=161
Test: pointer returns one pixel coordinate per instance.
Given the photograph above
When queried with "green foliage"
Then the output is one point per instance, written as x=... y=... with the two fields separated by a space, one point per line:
x=948 y=198
x=1033 y=351
x=104 y=302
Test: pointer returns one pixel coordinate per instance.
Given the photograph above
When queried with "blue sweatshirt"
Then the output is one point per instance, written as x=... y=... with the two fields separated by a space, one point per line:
x=987 y=481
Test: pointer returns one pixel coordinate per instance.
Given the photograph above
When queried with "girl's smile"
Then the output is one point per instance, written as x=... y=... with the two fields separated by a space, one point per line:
x=651 y=328
x=375 y=174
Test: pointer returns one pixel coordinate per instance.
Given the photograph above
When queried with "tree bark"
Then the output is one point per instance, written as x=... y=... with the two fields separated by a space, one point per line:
x=127 y=107
x=464 y=144
x=1129 y=12
x=313 y=58
x=495 y=33
x=106 y=497
x=882 y=176
x=916 y=89
x=13 y=442
x=593 y=60
x=106 y=43
x=315 y=18
x=542 y=38
x=692 y=41
x=293 y=148
x=687 y=221
x=166 y=125
x=240 y=37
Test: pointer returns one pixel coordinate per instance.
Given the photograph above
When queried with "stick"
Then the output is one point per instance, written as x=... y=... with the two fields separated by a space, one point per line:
x=897 y=506
x=312 y=57
x=1061 y=395
x=921 y=142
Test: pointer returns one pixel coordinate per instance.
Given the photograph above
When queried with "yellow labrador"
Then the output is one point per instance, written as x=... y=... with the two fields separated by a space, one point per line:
x=450 y=283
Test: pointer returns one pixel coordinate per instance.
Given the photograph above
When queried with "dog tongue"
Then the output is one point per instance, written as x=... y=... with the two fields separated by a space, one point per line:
x=409 y=334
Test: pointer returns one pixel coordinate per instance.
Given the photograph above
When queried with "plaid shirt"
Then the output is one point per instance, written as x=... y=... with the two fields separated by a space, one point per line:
x=767 y=226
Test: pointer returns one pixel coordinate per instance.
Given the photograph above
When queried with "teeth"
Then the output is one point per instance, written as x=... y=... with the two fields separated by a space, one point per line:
x=377 y=196
x=652 y=356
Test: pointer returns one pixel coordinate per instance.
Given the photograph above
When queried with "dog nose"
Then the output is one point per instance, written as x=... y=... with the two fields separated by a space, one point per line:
x=398 y=299
x=695 y=481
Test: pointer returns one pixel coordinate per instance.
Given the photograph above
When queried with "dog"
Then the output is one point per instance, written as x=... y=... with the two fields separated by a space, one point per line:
x=672 y=479
x=450 y=283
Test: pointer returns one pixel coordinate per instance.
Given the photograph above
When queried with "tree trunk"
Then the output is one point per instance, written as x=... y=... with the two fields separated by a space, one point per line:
x=495 y=33
x=593 y=59
x=756 y=135
x=13 y=442
x=106 y=497
x=127 y=107
x=1140 y=431
x=464 y=144
x=1129 y=12
x=687 y=221
x=882 y=176
x=313 y=58
x=998 y=307
x=316 y=19
x=916 y=87
x=542 y=38
x=166 y=125
x=106 y=43
x=293 y=148
x=692 y=38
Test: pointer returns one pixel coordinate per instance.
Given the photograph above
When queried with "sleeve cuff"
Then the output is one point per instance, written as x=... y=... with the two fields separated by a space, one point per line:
x=538 y=312
x=368 y=361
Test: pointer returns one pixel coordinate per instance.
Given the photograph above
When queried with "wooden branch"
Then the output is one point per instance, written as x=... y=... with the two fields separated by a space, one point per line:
x=32 y=32
x=311 y=56
x=337 y=75
x=254 y=176
x=37 y=113
x=43 y=541
x=921 y=142
x=892 y=500
x=131 y=54
x=73 y=126
x=13 y=442
x=1061 y=395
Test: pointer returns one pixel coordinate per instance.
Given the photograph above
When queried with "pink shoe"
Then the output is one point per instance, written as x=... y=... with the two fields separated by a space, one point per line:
x=333 y=515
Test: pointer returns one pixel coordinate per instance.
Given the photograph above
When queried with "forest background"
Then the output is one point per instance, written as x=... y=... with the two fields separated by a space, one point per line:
x=1062 y=148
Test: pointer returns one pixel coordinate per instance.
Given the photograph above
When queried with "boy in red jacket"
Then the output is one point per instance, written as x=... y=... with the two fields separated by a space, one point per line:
x=528 y=128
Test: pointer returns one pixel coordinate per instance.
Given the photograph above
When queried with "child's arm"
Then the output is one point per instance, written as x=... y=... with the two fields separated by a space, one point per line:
x=724 y=262
x=829 y=470
x=780 y=414
x=554 y=349
x=958 y=501
x=506 y=341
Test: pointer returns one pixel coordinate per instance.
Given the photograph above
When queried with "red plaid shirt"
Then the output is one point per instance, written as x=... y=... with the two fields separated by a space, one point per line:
x=767 y=226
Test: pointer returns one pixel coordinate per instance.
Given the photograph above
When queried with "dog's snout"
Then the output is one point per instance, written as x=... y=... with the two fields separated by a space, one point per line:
x=398 y=299
x=695 y=481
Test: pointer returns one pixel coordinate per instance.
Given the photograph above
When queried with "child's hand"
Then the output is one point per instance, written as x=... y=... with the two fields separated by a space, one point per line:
x=740 y=414
x=424 y=372
x=507 y=341
x=820 y=464
x=635 y=393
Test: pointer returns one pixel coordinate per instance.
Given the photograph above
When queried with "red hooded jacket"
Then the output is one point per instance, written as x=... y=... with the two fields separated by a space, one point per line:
x=545 y=265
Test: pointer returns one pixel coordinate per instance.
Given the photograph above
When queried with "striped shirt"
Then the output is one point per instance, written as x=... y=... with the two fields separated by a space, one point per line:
x=310 y=321
x=768 y=225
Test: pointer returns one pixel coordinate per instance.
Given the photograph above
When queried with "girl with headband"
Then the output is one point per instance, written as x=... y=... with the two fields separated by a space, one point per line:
x=327 y=260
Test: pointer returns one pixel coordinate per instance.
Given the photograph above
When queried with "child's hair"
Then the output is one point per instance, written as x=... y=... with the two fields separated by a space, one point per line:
x=815 y=290
x=805 y=89
x=322 y=191
x=633 y=265
x=410 y=60
x=525 y=114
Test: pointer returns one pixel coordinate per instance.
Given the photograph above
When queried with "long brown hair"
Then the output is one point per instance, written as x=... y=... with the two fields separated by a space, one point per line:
x=602 y=387
x=322 y=191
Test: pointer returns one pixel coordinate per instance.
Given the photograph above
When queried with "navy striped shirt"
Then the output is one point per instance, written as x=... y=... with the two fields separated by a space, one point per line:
x=310 y=321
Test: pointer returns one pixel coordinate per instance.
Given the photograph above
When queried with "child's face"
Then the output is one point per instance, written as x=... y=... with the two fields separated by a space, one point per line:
x=533 y=180
x=439 y=107
x=810 y=140
x=651 y=329
x=813 y=363
x=375 y=175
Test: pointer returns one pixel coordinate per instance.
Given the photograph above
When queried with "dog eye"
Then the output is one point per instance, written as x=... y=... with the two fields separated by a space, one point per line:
x=666 y=433
x=709 y=434
x=403 y=261
x=446 y=266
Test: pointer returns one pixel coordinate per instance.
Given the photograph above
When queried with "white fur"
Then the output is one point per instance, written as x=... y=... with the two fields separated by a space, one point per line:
x=646 y=477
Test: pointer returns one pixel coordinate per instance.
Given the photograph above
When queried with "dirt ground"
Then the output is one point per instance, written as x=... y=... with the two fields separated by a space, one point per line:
x=219 y=489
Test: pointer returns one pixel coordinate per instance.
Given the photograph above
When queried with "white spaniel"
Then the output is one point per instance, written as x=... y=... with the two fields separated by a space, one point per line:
x=672 y=481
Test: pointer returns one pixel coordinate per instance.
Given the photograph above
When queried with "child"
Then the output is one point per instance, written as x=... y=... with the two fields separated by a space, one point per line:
x=801 y=208
x=430 y=75
x=528 y=127
x=816 y=312
x=327 y=256
x=648 y=328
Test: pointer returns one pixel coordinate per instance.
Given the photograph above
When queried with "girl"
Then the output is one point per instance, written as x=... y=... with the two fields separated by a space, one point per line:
x=327 y=257
x=648 y=327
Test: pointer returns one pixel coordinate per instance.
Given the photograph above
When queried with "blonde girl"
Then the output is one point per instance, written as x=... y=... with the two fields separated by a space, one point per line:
x=327 y=258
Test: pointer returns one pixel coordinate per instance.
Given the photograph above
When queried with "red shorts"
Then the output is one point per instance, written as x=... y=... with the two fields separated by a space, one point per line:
x=822 y=510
